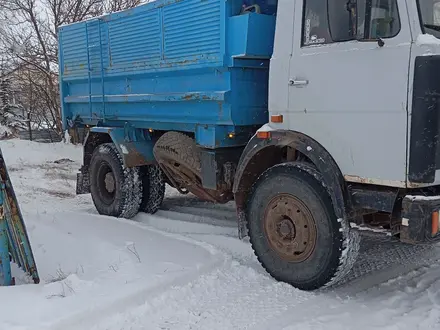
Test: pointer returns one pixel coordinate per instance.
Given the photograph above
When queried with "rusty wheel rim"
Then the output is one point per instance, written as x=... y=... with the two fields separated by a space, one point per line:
x=290 y=228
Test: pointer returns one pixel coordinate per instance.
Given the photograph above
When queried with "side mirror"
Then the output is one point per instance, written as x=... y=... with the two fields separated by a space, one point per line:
x=380 y=42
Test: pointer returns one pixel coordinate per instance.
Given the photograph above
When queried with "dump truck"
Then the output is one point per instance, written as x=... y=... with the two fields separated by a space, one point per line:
x=314 y=117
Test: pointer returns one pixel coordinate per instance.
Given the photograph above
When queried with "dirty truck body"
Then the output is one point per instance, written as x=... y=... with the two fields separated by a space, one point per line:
x=310 y=116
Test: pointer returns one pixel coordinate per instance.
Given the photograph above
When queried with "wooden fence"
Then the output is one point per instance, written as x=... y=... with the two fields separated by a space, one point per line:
x=40 y=135
x=50 y=136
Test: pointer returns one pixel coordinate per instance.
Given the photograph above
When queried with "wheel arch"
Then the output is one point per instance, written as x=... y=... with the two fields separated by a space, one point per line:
x=134 y=145
x=261 y=154
x=91 y=142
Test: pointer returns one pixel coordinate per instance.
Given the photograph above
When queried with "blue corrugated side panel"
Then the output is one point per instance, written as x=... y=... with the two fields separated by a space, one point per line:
x=166 y=65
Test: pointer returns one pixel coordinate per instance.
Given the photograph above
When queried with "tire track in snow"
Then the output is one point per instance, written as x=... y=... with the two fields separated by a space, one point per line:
x=231 y=297
x=237 y=293
x=237 y=296
x=381 y=259
x=95 y=315
x=410 y=301
x=83 y=320
x=221 y=287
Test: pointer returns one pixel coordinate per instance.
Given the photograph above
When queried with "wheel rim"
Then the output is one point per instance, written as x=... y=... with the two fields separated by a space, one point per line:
x=106 y=183
x=290 y=228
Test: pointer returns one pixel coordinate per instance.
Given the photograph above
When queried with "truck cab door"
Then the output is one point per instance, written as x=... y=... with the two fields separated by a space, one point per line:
x=351 y=95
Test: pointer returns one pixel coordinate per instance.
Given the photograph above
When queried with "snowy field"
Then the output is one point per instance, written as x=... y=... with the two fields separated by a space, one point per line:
x=185 y=268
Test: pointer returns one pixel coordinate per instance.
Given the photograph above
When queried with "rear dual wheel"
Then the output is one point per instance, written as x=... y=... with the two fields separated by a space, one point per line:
x=122 y=192
x=294 y=231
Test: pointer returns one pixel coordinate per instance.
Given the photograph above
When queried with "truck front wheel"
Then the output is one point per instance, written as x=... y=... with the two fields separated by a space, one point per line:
x=116 y=190
x=294 y=231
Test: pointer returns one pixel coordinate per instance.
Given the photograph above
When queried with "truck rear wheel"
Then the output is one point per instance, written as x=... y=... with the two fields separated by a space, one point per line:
x=116 y=190
x=153 y=184
x=294 y=231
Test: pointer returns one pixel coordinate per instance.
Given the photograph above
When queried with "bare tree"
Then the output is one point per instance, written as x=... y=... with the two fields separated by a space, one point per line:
x=117 y=5
x=30 y=48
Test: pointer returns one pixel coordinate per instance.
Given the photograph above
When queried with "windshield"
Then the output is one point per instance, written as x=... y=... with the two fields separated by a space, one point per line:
x=430 y=16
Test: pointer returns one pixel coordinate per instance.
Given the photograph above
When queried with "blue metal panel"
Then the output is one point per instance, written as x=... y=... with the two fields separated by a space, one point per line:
x=191 y=28
x=5 y=266
x=62 y=85
x=135 y=41
x=74 y=51
x=170 y=65
x=14 y=241
x=252 y=36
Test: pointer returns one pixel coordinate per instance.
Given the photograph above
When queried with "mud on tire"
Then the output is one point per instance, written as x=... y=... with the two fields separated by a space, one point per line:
x=116 y=190
x=153 y=188
x=294 y=231
x=180 y=159
x=181 y=148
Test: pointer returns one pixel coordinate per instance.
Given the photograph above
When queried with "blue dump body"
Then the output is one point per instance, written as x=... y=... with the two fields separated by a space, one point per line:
x=196 y=66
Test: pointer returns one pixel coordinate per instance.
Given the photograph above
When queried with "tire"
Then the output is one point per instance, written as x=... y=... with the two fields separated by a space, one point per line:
x=294 y=231
x=122 y=196
x=153 y=184
x=180 y=159
x=181 y=148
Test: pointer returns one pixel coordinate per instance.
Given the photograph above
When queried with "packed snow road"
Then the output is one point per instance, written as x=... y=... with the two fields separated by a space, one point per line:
x=185 y=268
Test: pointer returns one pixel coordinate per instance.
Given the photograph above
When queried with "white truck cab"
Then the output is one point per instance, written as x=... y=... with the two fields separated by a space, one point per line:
x=353 y=137
x=345 y=78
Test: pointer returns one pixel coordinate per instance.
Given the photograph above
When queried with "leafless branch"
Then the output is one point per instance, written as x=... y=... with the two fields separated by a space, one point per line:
x=132 y=248
x=29 y=47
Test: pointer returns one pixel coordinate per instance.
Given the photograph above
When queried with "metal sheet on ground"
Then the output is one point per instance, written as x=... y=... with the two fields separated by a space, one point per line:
x=14 y=241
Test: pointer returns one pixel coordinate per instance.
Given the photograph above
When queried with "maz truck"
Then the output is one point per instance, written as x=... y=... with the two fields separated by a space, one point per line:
x=311 y=115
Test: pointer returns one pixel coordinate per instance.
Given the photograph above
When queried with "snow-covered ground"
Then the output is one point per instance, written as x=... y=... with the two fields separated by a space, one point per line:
x=185 y=268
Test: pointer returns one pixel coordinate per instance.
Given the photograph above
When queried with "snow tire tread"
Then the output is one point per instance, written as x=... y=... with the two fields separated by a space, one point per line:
x=180 y=145
x=153 y=188
x=345 y=247
x=128 y=201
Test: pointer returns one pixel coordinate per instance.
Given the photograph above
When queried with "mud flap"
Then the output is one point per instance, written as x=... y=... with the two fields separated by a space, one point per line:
x=14 y=242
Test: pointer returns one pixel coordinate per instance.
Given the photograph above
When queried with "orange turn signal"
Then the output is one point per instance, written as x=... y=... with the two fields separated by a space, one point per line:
x=263 y=135
x=276 y=119
x=435 y=223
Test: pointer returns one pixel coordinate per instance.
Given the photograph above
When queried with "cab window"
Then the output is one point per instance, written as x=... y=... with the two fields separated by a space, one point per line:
x=378 y=19
x=430 y=16
x=315 y=23
x=329 y=21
